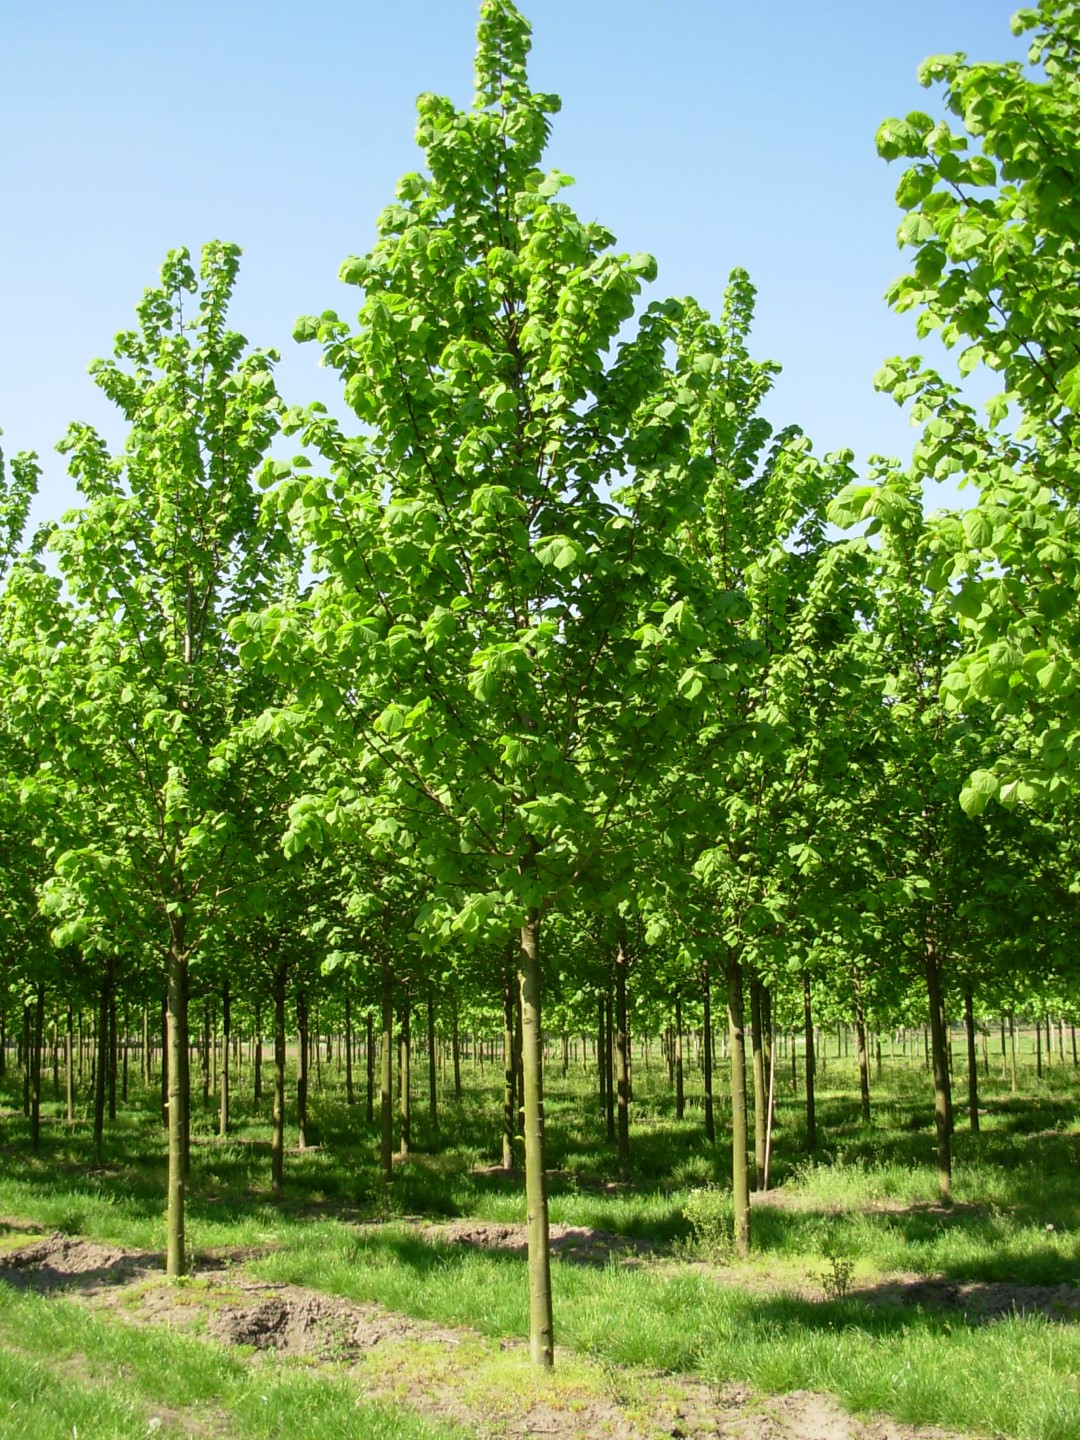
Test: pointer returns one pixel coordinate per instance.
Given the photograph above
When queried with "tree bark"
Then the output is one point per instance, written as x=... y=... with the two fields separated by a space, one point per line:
x=177 y=1004
x=69 y=1067
x=972 y=1059
x=740 y=1168
x=622 y=1064
x=386 y=1073
x=100 y=1066
x=609 y=1067
x=433 y=1098
x=706 y=995
x=760 y=1097
x=680 y=1093
x=350 y=1098
x=277 y=1142
x=541 y=1326
x=940 y=1064
x=226 y=1036
x=860 y=1045
x=455 y=1044
x=303 y=1038
x=35 y=1067
x=509 y=1071
x=808 y=1028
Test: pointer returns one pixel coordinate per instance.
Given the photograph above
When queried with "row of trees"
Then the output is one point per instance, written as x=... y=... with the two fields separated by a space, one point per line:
x=558 y=647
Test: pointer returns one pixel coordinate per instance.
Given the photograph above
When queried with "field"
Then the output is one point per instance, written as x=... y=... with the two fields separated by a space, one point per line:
x=345 y=1308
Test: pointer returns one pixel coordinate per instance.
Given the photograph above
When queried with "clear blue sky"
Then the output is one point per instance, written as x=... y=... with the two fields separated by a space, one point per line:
x=709 y=132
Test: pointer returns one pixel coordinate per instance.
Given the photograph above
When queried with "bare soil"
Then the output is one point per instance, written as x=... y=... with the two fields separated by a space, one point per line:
x=439 y=1372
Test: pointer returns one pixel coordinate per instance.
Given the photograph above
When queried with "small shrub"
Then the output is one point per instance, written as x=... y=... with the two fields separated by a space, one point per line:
x=708 y=1212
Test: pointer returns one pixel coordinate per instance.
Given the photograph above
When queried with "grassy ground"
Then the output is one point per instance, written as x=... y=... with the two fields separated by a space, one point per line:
x=825 y=1303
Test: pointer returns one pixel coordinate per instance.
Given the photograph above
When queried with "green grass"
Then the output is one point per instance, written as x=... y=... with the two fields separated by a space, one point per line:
x=868 y=1195
x=68 y=1372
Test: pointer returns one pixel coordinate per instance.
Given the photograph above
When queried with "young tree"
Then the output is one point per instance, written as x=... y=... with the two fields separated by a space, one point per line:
x=168 y=547
x=498 y=640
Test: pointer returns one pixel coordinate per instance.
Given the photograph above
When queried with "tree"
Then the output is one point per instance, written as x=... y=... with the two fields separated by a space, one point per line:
x=146 y=690
x=994 y=221
x=499 y=638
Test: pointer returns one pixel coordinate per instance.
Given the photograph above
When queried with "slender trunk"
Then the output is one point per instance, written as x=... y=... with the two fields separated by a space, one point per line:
x=403 y=1077
x=144 y=1067
x=277 y=1142
x=509 y=1071
x=622 y=1063
x=433 y=1099
x=112 y=1047
x=350 y=1098
x=860 y=1045
x=706 y=995
x=37 y=1041
x=1012 y=1051
x=740 y=1167
x=204 y=1057
x=808 y=1027
x=226 y=1036
x=1038 y=1050
x=369 y=1067
x=100 y=1066
x=303 y=1038
x=972 y=1059
x=941 y=1073
x=177 y=1001
x=455 y=1044
x=760 y=1099
x=69 y=1067
x=680 y=1095
x=609 y=1067
x=541 y=1326
x=257 y=1061
x=164 y=1056
x=565 y=1054
x=124 y=1055
x=1004 y=1051
x=386 y=1073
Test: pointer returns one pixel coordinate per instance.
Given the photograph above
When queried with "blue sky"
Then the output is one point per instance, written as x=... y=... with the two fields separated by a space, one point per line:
x=711 y=134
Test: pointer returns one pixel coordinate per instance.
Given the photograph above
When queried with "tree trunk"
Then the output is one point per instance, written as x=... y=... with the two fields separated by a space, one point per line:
x=369 y=1067
x=386 y=1073
x=112 y=1047
x=622 y=1064
x=860 y=1045
x=35 y=1067
x=350 y=1098
x=541 y=1326
x=69 y=1067
x=509 y=1071
x=277 y=1142
x=940 y=1063
x=808 y=1027
x=760 y=1098
x=973 y=1060
x=177 y=1003
x=257 y=1062
x=740 y=1168
x=303 y=1039
x=433 y=1099
x=455 y=1043
x=706 y=995
x=100 y=1066
x=609 y=1067
x=226 y=1036
x=1012 y=1051
x=680 y=1094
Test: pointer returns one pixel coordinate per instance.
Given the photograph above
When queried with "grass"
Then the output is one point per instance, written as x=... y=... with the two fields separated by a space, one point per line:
x=68 y=1372
x=866 y=1200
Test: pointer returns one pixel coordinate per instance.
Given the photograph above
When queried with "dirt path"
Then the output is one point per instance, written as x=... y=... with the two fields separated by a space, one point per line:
x=449 y=1374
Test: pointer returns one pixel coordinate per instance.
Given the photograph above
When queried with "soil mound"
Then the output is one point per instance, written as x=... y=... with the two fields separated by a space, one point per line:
x=64 y=1262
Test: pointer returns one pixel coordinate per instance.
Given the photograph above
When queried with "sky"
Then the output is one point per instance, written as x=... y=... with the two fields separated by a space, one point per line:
x=710 y=133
